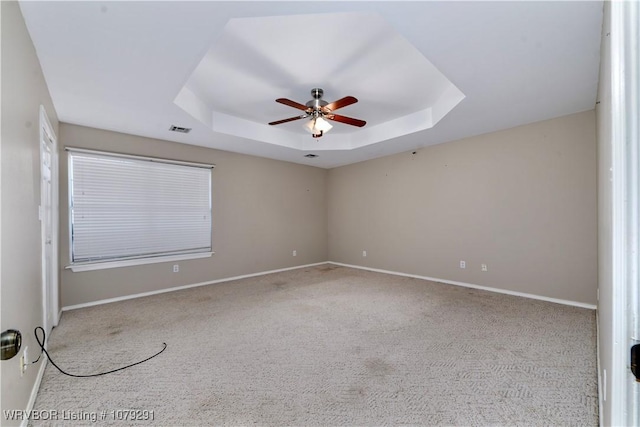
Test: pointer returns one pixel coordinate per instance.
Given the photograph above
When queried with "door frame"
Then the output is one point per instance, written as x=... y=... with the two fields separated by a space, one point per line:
x=50 y=294
x=625 y=74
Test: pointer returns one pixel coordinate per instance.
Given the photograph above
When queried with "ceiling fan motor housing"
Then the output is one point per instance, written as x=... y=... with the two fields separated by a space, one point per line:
x=317 y=102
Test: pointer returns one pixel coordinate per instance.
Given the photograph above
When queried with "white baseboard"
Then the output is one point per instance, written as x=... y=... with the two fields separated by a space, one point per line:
x=34 y=390
x=599 y=367
x=179 y=288
x=377 y=270
x=470 y=285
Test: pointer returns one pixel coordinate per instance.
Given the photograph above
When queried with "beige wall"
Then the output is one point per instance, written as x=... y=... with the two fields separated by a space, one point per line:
x=23 y=91
x=262 y=210
x=522 y=200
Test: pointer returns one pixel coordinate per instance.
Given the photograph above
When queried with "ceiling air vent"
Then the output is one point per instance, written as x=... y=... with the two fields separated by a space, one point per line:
x=179 y=129
x=311 y=156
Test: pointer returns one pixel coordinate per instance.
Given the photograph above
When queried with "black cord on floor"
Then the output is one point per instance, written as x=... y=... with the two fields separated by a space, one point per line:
x=41 y=344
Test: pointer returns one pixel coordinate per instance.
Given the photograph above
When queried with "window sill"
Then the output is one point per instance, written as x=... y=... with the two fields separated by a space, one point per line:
x=131 y=262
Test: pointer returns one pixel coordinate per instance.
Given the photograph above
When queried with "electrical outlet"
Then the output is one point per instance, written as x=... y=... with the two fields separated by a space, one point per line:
x=176 y=268
x=484 y=267
x=295 y=253
x=463 y=264
x=364 y=254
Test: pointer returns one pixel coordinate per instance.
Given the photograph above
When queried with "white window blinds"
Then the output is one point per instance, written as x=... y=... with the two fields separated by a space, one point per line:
x=123 y=207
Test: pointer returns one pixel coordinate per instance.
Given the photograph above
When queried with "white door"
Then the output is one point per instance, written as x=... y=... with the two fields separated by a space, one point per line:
x=48 y=218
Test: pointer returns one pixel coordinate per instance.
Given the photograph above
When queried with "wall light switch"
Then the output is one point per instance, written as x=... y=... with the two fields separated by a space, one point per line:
x=24 y=361
x=364 y=253
x=295 y=253
x=176 y=268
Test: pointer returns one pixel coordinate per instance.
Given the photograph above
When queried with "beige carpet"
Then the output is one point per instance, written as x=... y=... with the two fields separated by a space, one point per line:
x=329 y=346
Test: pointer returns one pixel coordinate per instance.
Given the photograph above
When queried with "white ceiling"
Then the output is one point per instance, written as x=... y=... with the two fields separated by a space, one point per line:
x=121 y=65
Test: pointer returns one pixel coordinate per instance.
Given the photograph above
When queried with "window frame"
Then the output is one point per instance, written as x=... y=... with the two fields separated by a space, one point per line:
x=135 y=260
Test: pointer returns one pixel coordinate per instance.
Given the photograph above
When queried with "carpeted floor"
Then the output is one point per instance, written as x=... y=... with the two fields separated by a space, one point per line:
x=328 y=346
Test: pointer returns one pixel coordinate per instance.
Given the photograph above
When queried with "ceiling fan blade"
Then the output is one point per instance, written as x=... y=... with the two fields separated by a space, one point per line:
x=293 y=104
x=290 y=119
x=347 y=120
x=343 y=102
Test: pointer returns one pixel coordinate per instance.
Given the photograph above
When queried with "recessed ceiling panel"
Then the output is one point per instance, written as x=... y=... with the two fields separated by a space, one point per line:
x=254 y=61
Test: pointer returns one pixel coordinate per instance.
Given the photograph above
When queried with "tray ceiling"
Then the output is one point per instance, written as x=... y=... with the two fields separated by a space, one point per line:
x=424 y=72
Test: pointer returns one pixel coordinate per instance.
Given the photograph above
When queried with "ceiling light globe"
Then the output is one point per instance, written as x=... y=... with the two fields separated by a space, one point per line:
x=322 y=125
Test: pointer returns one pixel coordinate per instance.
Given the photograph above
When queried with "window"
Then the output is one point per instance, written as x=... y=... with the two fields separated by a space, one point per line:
x=127 y=210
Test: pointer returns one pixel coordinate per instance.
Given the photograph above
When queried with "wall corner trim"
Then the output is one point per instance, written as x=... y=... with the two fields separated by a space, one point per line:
x=470 y=285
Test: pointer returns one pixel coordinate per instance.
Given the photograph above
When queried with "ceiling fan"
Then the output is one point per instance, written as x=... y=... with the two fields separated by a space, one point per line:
x=319 y=110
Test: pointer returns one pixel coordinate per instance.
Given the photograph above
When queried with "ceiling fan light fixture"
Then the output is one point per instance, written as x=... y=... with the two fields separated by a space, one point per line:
x=318 y=126
x=323 y=125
